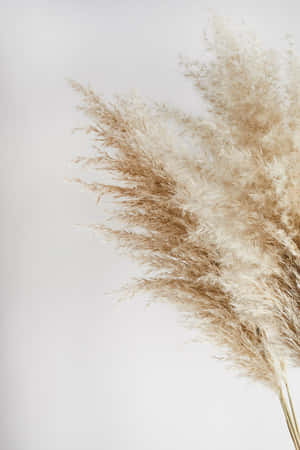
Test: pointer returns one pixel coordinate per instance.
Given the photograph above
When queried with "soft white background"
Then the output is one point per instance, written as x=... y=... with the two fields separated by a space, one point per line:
x=80 y=371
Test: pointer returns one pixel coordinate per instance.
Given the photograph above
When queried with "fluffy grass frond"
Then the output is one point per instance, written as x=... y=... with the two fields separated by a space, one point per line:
x=211 y=206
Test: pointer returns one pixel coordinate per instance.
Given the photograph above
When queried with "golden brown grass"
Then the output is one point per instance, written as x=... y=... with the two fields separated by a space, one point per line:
x=211 y=206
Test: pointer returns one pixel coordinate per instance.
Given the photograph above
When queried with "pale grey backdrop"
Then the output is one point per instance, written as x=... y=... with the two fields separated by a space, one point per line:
x=78 y=370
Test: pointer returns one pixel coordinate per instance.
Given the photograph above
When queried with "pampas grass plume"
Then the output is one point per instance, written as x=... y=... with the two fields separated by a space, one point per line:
x=210 y=206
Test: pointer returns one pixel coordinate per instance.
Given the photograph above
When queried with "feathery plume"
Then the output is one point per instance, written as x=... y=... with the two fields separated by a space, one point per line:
x=209 y=206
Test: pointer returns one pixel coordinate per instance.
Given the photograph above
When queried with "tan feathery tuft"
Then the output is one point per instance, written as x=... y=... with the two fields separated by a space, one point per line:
x=210 y=206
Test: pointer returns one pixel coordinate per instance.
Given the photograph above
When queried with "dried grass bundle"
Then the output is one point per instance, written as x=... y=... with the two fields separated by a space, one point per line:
x=210 y=206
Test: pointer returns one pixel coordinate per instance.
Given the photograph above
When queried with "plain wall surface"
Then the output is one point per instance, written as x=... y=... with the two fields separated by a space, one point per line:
x=80 y=371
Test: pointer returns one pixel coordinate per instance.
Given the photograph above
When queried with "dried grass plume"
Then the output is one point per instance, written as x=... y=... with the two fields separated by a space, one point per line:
x=211 y=206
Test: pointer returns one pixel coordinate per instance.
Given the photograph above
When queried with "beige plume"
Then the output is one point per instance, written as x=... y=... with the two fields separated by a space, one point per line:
x=211 y=206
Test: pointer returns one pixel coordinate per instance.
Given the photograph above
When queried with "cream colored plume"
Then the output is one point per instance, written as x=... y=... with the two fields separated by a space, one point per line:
x=211 y=206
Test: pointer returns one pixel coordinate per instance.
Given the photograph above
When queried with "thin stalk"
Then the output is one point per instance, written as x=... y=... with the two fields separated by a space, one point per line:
x=291 y=406
x=291 y=426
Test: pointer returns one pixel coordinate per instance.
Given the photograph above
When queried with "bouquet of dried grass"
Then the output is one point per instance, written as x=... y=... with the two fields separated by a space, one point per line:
x=210 y=206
